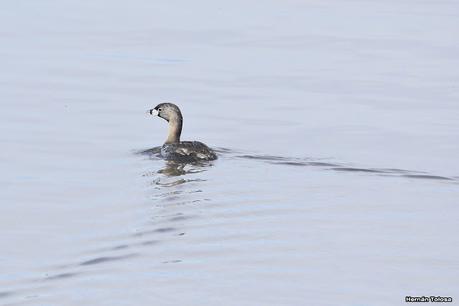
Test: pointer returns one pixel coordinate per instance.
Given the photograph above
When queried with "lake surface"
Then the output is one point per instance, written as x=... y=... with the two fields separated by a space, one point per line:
x=337 y=129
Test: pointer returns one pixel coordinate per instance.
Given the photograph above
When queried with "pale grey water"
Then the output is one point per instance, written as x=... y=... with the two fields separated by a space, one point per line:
x=337 y=123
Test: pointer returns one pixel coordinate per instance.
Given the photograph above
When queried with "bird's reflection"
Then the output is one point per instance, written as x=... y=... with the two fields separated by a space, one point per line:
x=177 y=173
x=172 y=168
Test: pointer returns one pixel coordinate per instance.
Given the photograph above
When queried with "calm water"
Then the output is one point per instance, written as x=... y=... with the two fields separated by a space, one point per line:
x=337 y=127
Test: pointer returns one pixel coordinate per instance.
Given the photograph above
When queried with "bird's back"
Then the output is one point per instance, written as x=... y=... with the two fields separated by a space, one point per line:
x=187 y=151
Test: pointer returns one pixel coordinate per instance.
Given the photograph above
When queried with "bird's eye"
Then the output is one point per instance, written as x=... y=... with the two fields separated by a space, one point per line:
x=159 y=109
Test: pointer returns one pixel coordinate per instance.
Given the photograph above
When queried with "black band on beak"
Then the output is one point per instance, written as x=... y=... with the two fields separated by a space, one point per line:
x=154 y=112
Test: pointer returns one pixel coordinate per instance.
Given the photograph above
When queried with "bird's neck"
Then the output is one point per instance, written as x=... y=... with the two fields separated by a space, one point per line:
x=175 y=129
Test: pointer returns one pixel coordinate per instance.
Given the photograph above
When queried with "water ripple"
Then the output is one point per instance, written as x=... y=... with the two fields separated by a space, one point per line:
x=338 y=167
x=104 y=259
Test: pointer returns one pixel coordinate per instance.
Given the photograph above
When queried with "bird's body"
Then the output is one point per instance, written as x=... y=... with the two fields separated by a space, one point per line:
x=187 y=151
x=173 y=148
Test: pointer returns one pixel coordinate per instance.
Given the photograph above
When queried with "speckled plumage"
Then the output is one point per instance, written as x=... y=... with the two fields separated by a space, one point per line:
x=187 y=150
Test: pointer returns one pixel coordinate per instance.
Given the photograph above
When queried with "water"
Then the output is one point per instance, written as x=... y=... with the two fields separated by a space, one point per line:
x=336 y=124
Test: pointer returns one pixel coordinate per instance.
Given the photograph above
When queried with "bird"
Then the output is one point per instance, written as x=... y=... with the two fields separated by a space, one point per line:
x=173 y=148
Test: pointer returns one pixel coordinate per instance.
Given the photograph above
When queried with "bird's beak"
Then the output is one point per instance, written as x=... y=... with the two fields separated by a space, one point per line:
x=154 y=112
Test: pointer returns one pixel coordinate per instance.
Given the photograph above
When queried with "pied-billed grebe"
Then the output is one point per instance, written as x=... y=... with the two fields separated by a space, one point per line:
x=173 y=148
